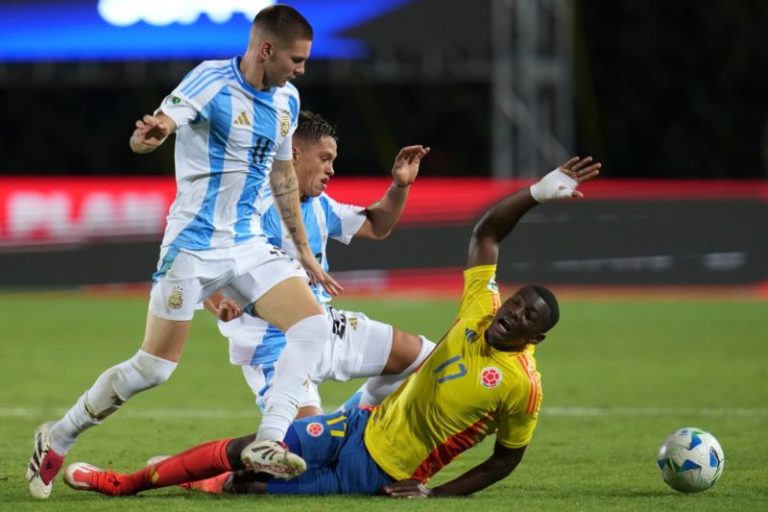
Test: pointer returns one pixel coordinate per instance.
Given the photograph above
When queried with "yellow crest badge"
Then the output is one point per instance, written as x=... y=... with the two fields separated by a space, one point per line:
x=285 y=123
x=176 y=300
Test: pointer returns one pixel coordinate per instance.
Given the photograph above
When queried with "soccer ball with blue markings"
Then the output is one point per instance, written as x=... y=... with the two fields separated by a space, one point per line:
x=691 y=460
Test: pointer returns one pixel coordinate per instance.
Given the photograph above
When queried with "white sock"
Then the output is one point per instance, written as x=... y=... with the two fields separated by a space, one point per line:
x=303 y=348
x=108 y=393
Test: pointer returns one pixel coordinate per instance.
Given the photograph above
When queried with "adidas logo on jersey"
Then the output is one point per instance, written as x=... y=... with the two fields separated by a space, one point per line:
x=243 y=119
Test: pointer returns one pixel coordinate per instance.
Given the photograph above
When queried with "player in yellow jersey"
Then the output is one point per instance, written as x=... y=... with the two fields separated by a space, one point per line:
x=481 y=379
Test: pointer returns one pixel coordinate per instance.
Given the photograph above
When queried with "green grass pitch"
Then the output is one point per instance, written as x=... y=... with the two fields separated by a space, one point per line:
x=618 y=376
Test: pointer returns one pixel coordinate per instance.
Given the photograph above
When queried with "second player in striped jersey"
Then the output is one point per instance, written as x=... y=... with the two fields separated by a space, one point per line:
x=357 y=346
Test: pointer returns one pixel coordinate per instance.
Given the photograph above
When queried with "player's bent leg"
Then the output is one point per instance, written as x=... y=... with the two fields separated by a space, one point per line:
x=148 y=368
x=376 y=389
x=408 y=352
x=165 y=338
x=198 y=463
x=259 y=380
x=291 y=307
x=287 y=303
x=112 y=388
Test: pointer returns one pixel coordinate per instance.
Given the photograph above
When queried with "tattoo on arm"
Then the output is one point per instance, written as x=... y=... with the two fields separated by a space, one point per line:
x=285 y=192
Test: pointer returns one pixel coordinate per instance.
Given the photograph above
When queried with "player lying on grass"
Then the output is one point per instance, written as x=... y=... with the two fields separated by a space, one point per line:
x=481 y=379
x=356 y=346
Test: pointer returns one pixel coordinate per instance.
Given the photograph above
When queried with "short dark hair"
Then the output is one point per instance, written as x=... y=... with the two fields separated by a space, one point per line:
x=548 y=297
x=284 y=22
x=313 y=127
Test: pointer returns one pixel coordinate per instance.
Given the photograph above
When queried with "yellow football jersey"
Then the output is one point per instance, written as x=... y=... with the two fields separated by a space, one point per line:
x=464 y=391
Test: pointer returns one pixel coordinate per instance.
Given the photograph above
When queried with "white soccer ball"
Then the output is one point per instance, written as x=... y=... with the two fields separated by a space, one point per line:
x=691 y=460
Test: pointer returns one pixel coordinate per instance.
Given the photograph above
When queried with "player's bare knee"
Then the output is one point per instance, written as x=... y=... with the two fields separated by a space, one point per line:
x=287 y=304
x=406 y=349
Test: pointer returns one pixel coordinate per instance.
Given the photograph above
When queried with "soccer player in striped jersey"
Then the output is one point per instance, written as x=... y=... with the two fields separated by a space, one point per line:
x=481 y=379
x=356 y=346
x=233 y=121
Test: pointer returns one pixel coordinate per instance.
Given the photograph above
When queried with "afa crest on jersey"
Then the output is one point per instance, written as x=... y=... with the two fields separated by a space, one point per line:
x=285 y=122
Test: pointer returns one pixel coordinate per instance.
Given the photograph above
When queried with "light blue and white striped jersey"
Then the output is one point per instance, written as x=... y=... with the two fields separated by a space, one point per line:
x=254 y=341
x=228 y=135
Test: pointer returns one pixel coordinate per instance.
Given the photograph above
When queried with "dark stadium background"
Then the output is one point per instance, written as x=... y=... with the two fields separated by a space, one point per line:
x=656 y=90
x=662 y=89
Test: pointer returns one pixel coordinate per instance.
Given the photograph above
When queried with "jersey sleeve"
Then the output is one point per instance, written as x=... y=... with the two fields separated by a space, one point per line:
x=187 y=101
x=285 y=149
x=178 y=109
x=481 y=294
x=519 y=415
x=344 y=220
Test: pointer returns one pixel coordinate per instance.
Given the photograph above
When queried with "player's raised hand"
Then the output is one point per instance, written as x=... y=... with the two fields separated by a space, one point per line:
x=406 y=165
x=581 y=169
x=562 y=182
x=150 y=133
x=407 y=489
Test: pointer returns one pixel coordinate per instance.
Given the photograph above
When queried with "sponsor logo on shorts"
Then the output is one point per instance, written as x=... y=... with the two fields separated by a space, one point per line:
x=492 y=286
x=490 y=377
x=285 y=122
x=315 y=429
x=176 y=300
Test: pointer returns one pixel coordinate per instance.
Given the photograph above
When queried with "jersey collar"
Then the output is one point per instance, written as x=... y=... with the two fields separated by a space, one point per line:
x=235 y=63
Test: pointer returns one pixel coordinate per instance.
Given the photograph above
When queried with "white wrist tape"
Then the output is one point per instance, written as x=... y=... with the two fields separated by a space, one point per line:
x=554 y=185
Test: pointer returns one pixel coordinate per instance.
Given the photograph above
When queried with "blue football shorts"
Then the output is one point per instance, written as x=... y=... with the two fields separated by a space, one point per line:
x=336 y=457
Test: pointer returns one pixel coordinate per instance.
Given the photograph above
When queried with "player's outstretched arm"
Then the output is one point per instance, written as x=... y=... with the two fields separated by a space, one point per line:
x=499 y=221
x=285 y=191
x=150 y=133
x=385 y=213
x=495 y=468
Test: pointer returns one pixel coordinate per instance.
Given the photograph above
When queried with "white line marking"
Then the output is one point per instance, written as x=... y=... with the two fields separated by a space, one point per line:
x=651 y=411
x=217 y=414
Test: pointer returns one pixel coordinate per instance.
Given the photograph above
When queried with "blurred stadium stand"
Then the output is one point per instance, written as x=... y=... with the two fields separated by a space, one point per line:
x=498 y=88
x=629 y=232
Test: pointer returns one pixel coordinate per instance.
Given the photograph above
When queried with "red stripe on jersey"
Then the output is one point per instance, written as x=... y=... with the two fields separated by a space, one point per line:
x=534 y=396
x=449 y=450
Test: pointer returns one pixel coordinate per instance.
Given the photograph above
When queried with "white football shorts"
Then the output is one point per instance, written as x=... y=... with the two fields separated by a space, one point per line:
x=356 y=347
x=244 y=272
